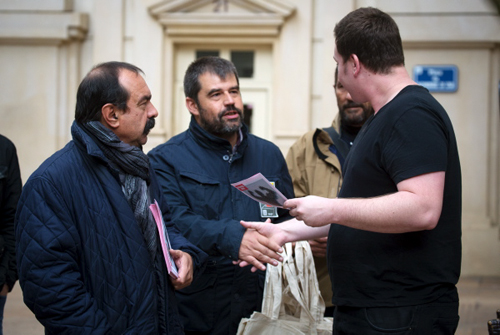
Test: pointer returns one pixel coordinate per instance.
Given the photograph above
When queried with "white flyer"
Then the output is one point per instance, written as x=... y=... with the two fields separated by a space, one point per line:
x=260 y=189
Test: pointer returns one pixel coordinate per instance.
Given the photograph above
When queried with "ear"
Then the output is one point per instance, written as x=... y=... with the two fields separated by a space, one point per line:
x=356 y=65
x=110 y=116
x=192 y=107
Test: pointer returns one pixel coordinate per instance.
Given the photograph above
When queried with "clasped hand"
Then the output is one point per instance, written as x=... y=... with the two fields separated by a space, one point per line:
x=261 y=244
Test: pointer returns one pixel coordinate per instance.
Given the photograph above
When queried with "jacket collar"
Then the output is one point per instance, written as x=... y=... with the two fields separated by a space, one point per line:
x=83 y=140
x=322 y=141
x=87 y=144
x=212 y=142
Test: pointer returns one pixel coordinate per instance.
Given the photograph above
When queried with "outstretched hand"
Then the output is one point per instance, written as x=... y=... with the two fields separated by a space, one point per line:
x=272 y=231
x=258 y=248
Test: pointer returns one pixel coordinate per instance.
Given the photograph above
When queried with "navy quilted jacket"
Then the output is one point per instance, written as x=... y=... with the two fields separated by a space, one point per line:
x=83 y=264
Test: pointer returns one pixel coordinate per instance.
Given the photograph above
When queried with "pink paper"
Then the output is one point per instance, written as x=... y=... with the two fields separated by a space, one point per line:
x=165 y=241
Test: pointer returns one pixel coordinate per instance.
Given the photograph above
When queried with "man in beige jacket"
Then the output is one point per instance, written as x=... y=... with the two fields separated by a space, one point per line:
x=315 y=163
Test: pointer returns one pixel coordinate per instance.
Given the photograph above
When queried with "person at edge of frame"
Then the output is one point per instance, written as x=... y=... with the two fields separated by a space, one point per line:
x=10 y=191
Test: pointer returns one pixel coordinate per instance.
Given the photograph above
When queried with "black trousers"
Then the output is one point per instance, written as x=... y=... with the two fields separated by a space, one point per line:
x=435 y=318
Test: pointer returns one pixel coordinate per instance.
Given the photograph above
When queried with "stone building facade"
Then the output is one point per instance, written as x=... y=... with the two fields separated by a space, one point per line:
x=283 y=49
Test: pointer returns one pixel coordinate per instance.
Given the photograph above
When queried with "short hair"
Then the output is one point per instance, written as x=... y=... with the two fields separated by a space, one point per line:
x=373 y=36
x=211 y=64
x=99 y=87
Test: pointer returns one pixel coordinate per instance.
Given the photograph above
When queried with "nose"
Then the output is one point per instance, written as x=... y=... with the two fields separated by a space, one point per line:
x=228 y=99
x=348 y=96
x=152 y=112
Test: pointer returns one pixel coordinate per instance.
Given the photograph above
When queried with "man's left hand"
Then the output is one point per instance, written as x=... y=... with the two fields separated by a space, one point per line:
x=184 y=263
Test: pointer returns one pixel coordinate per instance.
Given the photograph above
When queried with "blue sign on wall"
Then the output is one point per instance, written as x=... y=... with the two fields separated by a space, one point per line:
x=437 y=78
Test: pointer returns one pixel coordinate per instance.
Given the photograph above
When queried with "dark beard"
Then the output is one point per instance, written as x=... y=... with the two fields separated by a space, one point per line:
x=353 y=121
x=217 y=125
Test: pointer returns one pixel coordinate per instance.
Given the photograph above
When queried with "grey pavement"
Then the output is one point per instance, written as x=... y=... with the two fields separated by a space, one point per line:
x=479 y=300
x=17 y=318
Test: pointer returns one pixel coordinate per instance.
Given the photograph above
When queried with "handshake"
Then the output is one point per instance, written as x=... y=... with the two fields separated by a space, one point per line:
x=262 y=242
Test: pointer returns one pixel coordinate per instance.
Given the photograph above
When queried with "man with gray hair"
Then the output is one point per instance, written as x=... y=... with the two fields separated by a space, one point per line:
x=89 y=253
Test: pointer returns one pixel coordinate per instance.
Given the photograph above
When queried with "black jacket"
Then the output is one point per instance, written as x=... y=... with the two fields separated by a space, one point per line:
x=10 y=190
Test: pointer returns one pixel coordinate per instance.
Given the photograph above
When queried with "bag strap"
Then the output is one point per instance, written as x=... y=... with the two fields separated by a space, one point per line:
x=305 y=280
x=292 y=287
x=341 y=146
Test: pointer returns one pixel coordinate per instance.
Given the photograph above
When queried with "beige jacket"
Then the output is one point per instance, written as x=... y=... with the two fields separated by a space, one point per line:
x=320 y=175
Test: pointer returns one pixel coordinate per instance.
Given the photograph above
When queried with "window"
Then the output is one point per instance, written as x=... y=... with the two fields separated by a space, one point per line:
x=243 y=60
x=203 y=53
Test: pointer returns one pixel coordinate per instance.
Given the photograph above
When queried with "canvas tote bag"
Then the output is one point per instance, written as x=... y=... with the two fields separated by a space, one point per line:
x=292 y=303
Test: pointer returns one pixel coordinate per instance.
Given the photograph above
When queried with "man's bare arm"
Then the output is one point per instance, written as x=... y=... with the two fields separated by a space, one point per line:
x=415 y=206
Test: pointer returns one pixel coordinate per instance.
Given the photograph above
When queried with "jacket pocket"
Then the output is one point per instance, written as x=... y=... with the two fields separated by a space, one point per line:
x=203 y=194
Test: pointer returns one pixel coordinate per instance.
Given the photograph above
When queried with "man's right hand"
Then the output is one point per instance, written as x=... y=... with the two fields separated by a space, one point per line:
x=257 y=249
x=279 y=234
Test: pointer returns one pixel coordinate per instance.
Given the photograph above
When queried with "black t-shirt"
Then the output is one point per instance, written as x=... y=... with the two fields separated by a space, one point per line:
x=409 y=136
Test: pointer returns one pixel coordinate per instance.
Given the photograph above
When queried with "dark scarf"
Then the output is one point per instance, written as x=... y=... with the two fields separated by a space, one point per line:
x=133 y=166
